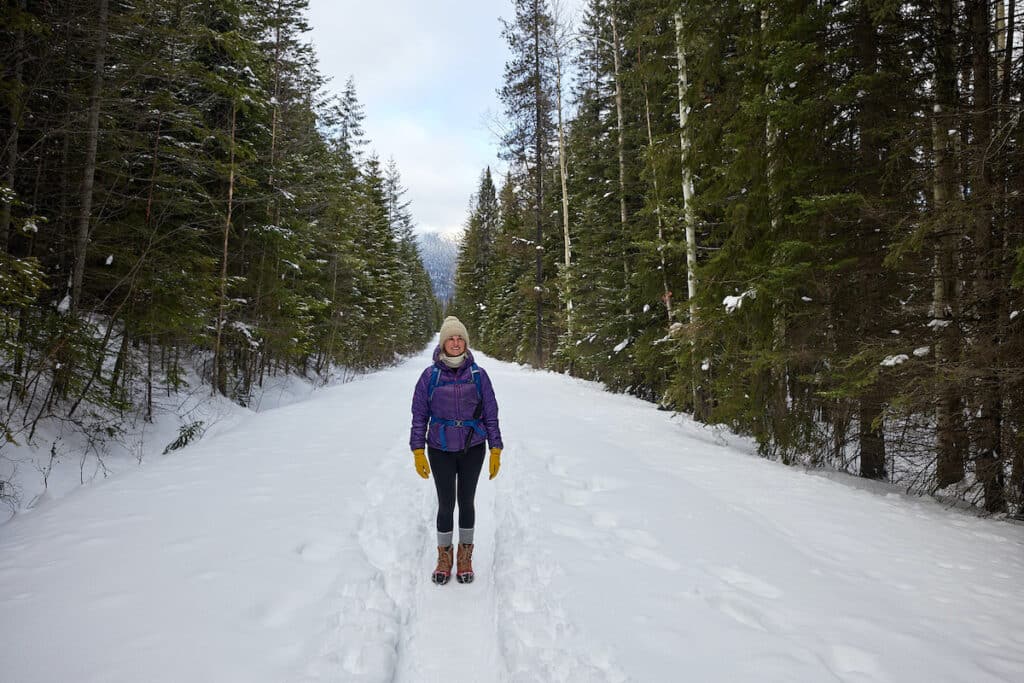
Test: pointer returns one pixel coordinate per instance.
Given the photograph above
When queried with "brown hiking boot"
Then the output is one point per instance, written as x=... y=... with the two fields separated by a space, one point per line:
x=464 y=570
x=443 y=571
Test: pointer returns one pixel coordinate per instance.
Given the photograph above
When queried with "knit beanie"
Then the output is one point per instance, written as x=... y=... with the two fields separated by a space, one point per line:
x=451 y=327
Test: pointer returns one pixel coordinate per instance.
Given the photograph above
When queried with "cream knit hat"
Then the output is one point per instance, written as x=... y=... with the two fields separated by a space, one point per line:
x=451 y=327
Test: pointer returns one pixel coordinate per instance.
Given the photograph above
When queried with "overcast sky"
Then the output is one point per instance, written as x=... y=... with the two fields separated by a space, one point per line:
x=427 y=74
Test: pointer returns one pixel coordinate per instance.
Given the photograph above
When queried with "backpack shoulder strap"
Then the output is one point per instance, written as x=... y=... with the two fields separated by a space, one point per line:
x=476 y=380
x=434 y=376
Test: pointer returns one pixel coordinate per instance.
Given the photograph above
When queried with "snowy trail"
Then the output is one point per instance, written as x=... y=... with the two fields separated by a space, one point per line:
x=618 y=544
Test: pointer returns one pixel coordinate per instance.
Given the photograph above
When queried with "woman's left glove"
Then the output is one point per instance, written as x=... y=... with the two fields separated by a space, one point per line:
x=495 y=464
x=420 y=461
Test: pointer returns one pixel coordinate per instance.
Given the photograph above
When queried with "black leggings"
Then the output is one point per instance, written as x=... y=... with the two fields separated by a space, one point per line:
x=455 y=476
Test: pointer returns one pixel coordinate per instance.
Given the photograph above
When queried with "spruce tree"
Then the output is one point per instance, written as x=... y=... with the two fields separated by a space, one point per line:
x=476 y=253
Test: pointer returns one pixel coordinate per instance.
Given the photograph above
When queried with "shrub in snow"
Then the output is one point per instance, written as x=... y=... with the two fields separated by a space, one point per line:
x=186 y=435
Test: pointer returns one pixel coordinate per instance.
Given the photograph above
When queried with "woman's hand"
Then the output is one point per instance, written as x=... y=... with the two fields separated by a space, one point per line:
x=419 y=459
x=495 y=464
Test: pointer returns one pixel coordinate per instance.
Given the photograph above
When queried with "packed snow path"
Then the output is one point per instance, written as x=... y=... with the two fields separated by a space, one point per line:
x=618 y=543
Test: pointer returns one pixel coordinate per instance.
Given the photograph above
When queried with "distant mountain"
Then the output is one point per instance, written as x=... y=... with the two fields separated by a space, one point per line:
x=439 y=252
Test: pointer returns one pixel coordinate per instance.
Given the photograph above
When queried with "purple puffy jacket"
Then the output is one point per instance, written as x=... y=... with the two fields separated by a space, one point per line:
x=453 y=402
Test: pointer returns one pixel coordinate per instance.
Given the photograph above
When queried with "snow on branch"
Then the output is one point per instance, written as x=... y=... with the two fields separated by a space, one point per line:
x=731 y=303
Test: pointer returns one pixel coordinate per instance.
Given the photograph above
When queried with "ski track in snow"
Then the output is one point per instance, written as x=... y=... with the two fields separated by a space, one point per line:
x=617 y=544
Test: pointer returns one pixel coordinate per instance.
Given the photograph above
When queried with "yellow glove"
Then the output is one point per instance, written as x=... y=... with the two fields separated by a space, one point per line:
x=420 y=461
x=495 y=463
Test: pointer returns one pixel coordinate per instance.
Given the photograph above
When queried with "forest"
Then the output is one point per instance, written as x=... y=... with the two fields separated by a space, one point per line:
x=799 y=220
x=181 y=200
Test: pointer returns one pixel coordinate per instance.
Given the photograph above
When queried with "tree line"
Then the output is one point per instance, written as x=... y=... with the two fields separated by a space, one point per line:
x=180 y=196
x=799 y=219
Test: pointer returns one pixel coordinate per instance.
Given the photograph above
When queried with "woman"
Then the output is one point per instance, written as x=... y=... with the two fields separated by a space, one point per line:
x=454 y=413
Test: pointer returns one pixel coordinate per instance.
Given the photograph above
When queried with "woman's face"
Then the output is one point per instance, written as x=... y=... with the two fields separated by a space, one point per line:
x=454 y=346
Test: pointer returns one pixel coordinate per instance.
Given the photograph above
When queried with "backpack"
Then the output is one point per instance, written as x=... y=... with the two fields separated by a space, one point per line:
x=435 y=382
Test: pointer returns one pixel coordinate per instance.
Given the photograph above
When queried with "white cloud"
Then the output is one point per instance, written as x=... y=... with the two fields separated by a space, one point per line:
x=439 y=167
x=427 y=74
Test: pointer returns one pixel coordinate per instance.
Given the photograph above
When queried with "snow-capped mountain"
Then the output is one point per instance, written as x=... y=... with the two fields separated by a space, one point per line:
x=439 y=252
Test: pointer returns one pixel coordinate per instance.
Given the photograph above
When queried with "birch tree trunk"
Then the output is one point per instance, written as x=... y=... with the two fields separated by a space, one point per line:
x=621 y=134
x=275 y=114
x=689 y=215
x=219 y=371
x=538 y=154
x=557 y=31
x=88 y=177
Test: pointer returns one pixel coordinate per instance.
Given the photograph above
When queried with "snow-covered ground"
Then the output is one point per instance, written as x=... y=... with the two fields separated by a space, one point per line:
x=98 y=443
x=618 y=543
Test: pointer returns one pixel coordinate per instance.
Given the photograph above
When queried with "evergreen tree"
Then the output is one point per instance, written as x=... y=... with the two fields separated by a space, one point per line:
x=476 y=253
x=529 y=107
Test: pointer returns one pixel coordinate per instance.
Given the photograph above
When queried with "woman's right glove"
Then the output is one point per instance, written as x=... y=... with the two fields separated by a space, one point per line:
x=419 y=459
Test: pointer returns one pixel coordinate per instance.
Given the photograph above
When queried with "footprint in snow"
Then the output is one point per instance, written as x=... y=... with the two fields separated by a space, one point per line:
x=847 y=660
x=281 y=611
x=748 y=583
x=638 y=537
x=602 y=483
x=739 y=611
x=573 y=532
x=652 y=558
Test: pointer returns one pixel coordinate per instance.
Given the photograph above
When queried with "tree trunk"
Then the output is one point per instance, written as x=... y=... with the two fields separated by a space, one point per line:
x=779 y=374
x=563 y=176
x=121 y=362
x=1006 y=69
x=619 y=125
x=538 y=151
x=987 y=243
x=950 y=450
x=149 y=379
x=219 y=371
x=329 y=353
x=689 y=215
x=275 y=102
x=15 y=123
x=871 y=247
x=666 y=295
x=64 y=229
x=872 y=436
x=92 y=141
